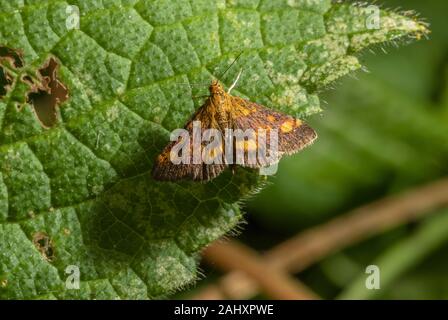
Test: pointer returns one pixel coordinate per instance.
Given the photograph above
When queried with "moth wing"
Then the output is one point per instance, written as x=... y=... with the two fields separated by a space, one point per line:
x=165 y=169
x=292 y=136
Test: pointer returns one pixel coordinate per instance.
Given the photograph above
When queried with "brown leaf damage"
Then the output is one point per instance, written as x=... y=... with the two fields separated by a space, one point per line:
x=5 y=82
x=46 y=92
x=15 y=57
x=45 y=245
x=9 y=59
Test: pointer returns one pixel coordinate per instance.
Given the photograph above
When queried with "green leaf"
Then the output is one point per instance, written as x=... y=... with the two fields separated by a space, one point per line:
x=80 y=193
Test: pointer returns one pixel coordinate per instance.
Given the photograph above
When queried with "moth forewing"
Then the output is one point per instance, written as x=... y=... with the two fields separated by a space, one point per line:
x=229 y=130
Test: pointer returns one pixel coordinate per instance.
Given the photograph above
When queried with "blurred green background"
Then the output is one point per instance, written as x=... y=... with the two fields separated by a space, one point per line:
x=382 y=132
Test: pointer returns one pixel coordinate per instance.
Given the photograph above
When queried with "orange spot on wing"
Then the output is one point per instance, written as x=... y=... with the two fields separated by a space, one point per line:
x=287 y=126
x=247 y=145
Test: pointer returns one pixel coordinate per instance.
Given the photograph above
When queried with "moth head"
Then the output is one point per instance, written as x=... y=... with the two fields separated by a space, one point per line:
x=216 y=88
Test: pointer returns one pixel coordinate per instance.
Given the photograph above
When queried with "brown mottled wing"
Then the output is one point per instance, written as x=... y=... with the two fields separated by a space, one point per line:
x=293 y=134
x=165 y=170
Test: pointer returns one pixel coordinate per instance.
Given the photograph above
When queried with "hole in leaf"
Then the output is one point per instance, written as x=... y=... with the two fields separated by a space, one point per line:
x=46 y=92
x=15 y=61
x=5 y=82
x=43 y=243
x=27 y=79
x=46 y=96
x=14 y=56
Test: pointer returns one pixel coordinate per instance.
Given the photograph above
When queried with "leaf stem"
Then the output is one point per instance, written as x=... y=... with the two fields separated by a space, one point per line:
x=232 y=255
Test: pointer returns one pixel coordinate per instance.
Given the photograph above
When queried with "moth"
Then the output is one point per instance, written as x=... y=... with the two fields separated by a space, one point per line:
x=262 y=130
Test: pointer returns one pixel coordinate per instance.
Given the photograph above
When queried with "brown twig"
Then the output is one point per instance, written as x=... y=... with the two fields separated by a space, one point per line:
x=232 y=255
x=316 y=243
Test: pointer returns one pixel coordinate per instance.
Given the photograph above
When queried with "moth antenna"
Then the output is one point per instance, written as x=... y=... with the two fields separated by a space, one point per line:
x=231 y=65
x=236 y=81
x=192 y=84
x=199 y=97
